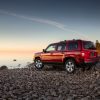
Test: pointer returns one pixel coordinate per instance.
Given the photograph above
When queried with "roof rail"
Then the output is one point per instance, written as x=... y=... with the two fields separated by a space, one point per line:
x=63 y=41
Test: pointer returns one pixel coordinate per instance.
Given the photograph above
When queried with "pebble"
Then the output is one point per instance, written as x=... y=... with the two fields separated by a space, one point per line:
x=18 y=84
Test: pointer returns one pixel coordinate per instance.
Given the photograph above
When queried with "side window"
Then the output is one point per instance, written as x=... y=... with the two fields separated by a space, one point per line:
x=51 y=48
x=73 y=46
x=61 y=47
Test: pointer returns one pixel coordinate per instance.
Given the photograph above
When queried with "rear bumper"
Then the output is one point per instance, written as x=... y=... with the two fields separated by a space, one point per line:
x=92 y=60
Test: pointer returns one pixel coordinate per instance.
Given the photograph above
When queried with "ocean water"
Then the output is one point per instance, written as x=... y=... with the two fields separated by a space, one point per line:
x=16 y=60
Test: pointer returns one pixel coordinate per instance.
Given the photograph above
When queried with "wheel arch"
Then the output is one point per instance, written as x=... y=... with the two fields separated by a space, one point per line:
x=37 y=58
x=67 y=58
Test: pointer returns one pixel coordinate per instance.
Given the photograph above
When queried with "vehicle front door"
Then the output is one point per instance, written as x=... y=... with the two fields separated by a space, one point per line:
x=47 y=55
x=60 y=52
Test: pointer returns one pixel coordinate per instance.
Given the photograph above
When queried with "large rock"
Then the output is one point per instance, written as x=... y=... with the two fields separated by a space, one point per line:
x=3 y=67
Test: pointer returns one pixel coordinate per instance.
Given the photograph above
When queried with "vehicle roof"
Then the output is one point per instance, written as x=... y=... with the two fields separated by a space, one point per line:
x=70 y=40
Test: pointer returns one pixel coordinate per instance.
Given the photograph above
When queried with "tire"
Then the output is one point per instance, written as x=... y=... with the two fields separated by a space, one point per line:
x=91 y=66
x=70 y=65
x=55 y=67
x=38 y=64
x=88 y=67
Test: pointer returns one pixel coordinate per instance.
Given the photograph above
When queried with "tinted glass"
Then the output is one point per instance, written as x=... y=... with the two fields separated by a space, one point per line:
x=61 y=47
x=88 y=45
x=73 y=46
x=51 y=48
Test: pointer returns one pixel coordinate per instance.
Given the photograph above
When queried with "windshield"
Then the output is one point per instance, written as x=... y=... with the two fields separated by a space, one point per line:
x=88 y=45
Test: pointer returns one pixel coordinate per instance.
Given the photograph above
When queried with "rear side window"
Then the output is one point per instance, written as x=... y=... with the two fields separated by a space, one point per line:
x=73 y=46
x=88 y=45
x=61 y=47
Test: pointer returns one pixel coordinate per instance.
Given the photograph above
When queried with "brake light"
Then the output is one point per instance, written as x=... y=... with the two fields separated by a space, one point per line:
x=96 y=54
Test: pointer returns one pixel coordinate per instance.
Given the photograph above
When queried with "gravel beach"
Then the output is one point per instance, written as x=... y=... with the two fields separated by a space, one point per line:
x=49 y=84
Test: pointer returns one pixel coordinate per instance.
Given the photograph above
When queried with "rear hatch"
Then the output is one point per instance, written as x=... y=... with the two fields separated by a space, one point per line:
x=89 y=50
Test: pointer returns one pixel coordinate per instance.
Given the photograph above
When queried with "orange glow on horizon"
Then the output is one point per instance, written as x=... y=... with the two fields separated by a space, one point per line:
x=18 y=53
x=19 y=50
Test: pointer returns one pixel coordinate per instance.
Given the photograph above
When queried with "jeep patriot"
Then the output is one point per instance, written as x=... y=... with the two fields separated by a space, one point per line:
x=69 y=53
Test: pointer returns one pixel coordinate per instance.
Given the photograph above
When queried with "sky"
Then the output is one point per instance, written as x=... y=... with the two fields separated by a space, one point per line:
x=30 y=25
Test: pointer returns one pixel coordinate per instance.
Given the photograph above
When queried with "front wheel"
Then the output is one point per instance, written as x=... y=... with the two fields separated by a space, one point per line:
x=70 y=65
x=38 y=64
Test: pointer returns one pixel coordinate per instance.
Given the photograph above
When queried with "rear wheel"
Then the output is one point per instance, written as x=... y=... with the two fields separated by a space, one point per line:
x=70 y=65
x=55 y=67
x=38 y=64
x=90 y=66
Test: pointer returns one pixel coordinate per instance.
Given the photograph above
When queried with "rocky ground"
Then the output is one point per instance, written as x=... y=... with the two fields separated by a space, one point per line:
x=49 y=84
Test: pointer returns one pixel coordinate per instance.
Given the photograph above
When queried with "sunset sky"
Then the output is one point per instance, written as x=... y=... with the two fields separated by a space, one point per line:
x=30 y=25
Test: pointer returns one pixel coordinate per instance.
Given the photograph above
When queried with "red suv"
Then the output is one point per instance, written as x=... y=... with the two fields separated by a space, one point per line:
x=68 y=53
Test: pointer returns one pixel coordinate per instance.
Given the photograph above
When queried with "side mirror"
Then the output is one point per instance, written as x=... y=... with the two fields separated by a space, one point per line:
x=44 y=50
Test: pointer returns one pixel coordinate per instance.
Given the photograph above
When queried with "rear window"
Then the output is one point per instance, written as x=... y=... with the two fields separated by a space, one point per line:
x=88 y=45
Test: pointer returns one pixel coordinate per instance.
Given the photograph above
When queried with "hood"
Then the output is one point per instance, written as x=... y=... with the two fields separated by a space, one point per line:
x=38 y=52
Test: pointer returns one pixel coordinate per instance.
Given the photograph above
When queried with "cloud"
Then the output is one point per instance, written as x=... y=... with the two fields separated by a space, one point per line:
x=45 y=21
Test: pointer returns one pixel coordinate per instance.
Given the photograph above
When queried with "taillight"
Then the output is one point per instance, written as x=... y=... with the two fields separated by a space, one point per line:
x=96 y=54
